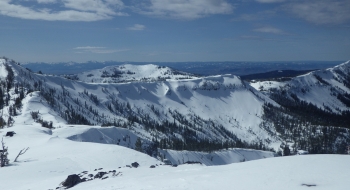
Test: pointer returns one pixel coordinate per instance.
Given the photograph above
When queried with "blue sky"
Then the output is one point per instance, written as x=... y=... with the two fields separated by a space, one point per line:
x=174 y=30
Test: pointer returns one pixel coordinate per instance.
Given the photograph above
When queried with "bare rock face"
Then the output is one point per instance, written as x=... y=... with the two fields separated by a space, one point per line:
x=100 y=175
x=135 y=164
x=71 y=181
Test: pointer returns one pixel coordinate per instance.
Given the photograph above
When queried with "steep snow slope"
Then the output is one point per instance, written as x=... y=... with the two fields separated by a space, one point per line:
x=131 y=73
x=104 y=135
x=221 y=157
x=217 y=108
x=328 y=89
x=3 y=71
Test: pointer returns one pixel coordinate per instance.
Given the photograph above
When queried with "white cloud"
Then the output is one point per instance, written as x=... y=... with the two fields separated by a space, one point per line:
x=99 y=50
x=321 y=11
x=268 y=29
x=88 y=47
x=137 y=27
x=76 y=10
x=185 y=9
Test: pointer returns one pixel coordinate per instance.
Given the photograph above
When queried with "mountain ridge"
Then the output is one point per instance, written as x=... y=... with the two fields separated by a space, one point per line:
x=206 y=113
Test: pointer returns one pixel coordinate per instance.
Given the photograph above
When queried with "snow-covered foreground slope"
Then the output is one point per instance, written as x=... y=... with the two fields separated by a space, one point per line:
x=131 y=73
x=51 y=159
x=321 y=172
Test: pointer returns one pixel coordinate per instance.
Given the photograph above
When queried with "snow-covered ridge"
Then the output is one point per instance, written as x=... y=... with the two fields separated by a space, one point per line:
x=204 y=105
x=131 y=73
x=323 y=88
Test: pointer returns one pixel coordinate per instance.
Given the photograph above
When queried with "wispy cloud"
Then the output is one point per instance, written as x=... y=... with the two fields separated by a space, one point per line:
x=321 y=11
x=100 y=50
x=185 y=9
x=262 y=15
x=270 y=1
x=259 y=38
x=137 y=27
x=269 y=29
x=73 y=10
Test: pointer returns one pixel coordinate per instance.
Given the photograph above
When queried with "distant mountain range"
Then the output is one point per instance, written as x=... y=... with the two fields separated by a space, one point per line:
x=200 y=68
x=275 y=75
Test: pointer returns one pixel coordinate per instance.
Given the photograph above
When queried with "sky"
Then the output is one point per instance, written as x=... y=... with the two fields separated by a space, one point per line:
x=174 y=30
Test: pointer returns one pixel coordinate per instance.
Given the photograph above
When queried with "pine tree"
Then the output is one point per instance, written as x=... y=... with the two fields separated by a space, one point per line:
x=3 y=155
x=138 y=144
x=1 y=99
x=286 y=150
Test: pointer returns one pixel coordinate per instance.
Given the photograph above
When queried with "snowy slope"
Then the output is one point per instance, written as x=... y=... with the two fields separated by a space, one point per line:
x=320 y=88
x=131 y=73
x=104 y=135
x=3 y=71
x=51 y=159
x=221 y=157
x=51 y=156
x=321 y=172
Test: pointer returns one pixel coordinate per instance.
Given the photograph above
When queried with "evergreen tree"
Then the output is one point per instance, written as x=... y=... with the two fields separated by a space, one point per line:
x=286 y=150
x=3 y=155
x=138 y=144
x=1 y=99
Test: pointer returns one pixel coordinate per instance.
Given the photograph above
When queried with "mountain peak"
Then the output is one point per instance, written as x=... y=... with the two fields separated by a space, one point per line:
x=131 y=73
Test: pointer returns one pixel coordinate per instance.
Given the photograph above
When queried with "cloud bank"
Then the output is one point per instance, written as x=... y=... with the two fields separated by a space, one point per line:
x=321 y=11
x=65 y=10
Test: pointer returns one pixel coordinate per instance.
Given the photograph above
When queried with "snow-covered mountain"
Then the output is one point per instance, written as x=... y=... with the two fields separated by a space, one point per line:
x=316 y=104
x=217 y=109
x=131 y=73
x=327 y=89
x=205 y=113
